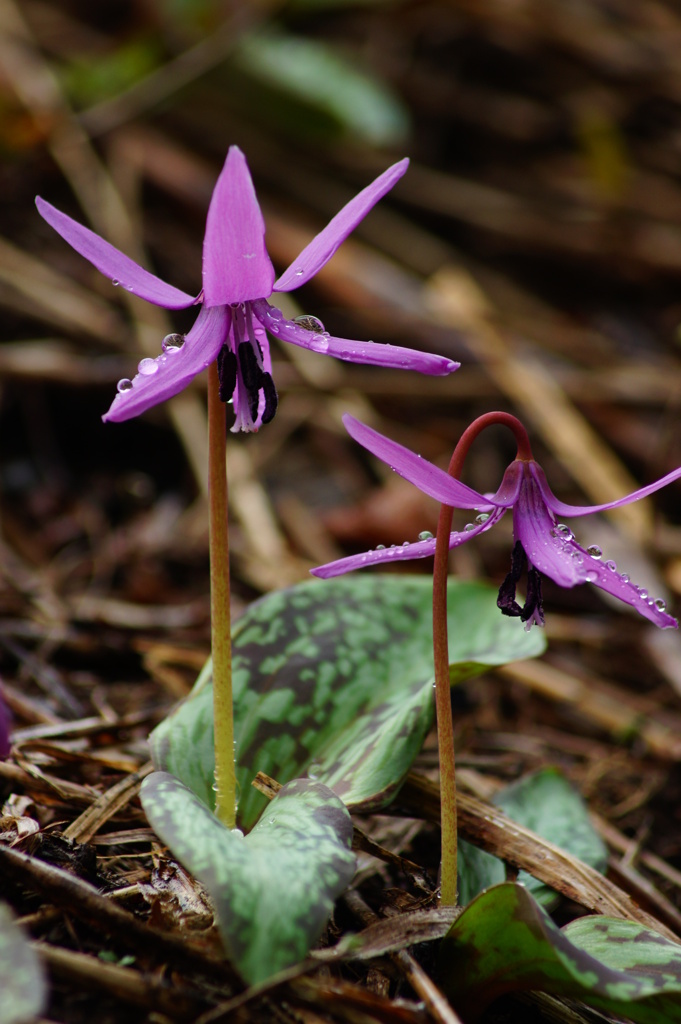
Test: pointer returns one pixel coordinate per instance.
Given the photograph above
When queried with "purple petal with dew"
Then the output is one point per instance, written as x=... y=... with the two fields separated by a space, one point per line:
x=552 y=549
x=236 y=266
x=174 y=369
x=424 y=475
x=561 y=509
x=366 y=352
x=324 y=245
x=403 y=552
x=113 y=263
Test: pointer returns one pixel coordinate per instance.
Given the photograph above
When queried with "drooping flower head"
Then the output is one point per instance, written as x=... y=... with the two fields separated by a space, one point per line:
x=234 y=314
x=542 y=545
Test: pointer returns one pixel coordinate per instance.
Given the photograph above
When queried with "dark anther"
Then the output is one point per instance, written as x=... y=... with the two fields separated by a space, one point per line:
x=533 y=605
x=271 y=400
x=506 y=600
x=226 y=373
x=250 y=371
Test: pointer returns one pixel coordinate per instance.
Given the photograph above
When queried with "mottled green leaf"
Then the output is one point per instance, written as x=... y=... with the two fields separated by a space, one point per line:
x=546 y=803
x=320 y=78
x=273 y=890
x=335 y=678
x=23 y=988
x=505 y=942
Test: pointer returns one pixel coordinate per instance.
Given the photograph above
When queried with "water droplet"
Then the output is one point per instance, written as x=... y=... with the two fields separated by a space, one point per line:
x=271 y=820
x=482 y=518
x=591 y=576
x=625 y=578
x=661 y=605
x=612 y=566
x=380 y=547
x=319 y=345
x=643 y=594
x=129 y=288
x=561 y=530
x=147 y=367
x=405 y=543
x=115 y=282
x=425 y=535
x=299 y=272
x=237 y=832
x=594 y=551
x=276 y=314
x=314 y=770
x=468 y=527
x=172 y=342
x=309 y=323
x=124 y=385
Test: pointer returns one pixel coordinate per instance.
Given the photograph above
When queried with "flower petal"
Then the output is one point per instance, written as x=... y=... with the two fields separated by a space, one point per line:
x=557 y=555
x=366 y=352
x=113 y=263
x=175 y=369
x=424 y=475
x=236 y=266
x=561 y=509
x=323 y=246
x=403 y=552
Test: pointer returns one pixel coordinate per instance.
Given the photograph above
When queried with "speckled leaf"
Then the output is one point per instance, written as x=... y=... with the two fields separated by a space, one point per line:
x=334 y=678
x=23 y=989
x=273 y=890
x=505 y=942
x=546 y=803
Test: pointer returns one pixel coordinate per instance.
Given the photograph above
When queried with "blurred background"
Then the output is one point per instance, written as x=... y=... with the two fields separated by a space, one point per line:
x=536 y=238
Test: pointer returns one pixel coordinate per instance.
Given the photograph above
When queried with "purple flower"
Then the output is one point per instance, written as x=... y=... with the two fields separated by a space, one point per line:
x=235 y=315
x=543 y=545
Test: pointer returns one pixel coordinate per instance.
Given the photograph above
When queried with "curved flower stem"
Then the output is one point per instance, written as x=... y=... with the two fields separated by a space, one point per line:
x=221 y=637
x=443 y=705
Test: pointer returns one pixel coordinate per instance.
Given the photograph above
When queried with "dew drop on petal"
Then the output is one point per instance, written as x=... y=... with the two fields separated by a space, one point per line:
x=591 y=576
x=314 y=770
x=625 y=578
x=299 y=272
x=271 y=820
x=115 y=282
x=237 y=832
x=172 y=342
x=643 y=594
x=482 y=518
x=405 y=543
x=612 y=566
x=425 y=535
x=275 y=314
x=147 y=367
x=124 y=385
x=309 y=323
x=468 y=527
x=380 y=547
x=660 y=605
x=594 y=551
x=561 y=530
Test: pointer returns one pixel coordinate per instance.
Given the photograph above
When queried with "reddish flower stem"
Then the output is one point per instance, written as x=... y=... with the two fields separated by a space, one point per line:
x=443 y=706
x=221 y=637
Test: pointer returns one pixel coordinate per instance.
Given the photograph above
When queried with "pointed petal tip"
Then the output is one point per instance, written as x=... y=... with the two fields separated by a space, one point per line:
x=111 y=262
x=323 y=246
x=236 y=265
